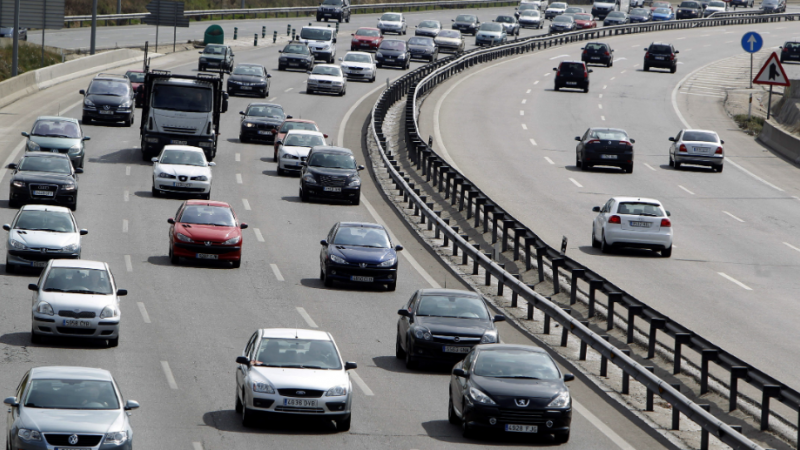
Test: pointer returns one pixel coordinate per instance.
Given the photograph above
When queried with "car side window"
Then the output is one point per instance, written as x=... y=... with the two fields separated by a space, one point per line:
x=678 y=136
x=411 y=301
x=178 y=212
x=249 y=347
x=332 y=233
x=586 y=134
x=469 y=360
x=21 y=388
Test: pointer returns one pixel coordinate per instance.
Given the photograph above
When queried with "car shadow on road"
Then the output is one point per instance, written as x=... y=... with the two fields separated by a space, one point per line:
x=621 y=252
x=163 y=260
x=229 y=420
x=605 y=169
x=23 y=339
x=131 y=156
x=292 y=199
x=20 y=271
x=316 y=283
x=443 y=430
x=698 y=169
x=392 y=364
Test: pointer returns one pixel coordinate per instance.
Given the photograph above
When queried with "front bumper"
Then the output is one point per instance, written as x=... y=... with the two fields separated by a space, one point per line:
x=36 y=258
x=324 y=55
x=551 y=15
x=19 y=444
x=421 y=56
x=153 y=143
x=364 y=46
x=478 y=415
x=252 y=89
x=182 y=187
x=685 y=15
x=712 y=161
x=449 y=48
x=660 y=19
x=342 y=272
x=317 y=190
x=56 y=326
x=24 y=195
x=465 y=28
x=433 y=350
x=658 y=240
x=326 y=14
x=223 y=252
x=295 y=63
x=384 y=29
x=330 y=408
x=101 y=115
x=325 y=87
x=384 y=61
x=290 y=164
x=480 y=41
x=530 y=23
x=212 y=63
x=357 y=73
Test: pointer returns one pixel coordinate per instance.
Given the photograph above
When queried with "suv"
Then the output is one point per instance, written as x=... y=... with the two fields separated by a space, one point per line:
x=573 y=75
x=790 y=51
x=109 y=98
x=662 y=56
x=321 y=41
x=334 y=9
x=216 y=56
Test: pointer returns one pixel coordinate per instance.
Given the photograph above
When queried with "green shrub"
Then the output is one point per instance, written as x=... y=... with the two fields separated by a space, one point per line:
x=751 y=126
x=29 y=58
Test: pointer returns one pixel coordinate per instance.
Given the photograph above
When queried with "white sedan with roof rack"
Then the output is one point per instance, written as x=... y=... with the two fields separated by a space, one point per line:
x=632 y=222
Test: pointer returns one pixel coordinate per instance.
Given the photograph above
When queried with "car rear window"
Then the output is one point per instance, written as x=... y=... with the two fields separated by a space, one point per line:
x=689 y=5
x=609 y=135
x=571 y=69
x=491 y=27
x=364 y=32
x=640 y=209
x=700 y=136
x=615 y=15
x=660 y=49
x=595 y=46
x=792 y=45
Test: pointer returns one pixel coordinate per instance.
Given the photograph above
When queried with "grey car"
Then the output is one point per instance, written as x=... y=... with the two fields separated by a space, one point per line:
x=68 y=407
x=8 y=32
x=216 y=56
x=697 y=147
x=429 y=28
x=491 y=33
x=40 y=233
x=58 y=135
x=509 y=23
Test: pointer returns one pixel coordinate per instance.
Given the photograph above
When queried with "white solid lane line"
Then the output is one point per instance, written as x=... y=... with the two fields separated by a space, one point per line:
x=559 y=56
x=126 y=196
x=575 y=182
x=288 y=90
x=238 y=157
x=259 y=236
x=128 y=264
x=306 y=317
x=364 y=388
x=548 y=160
x=730 y=278
x=127 y=170
x=246 y=204
x=600 y=425
x=791 y=246
x=649 y=166
x=124 y=225
x=685 y=189
x=238 y=178
x=726 y=212
x=533 y=142
x=168 y=374
x=524 y=127
x=277 y=272
x=143 y=310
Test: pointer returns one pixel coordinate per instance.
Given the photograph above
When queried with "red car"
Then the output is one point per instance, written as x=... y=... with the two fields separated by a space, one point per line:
x=657 y=5
x=205 y=230
x=584 y=21
x=137 y=78
x=366 y=39
x=292 y=124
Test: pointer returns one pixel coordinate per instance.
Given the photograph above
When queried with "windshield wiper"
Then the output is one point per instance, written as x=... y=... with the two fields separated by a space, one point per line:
x=45 y=229
x=314 y=367
x=54 y=290
x=56 y=135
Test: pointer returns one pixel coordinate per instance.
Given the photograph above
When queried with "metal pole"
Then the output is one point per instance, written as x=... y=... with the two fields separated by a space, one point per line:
x=119 y=6
x=175 y=32
x=44 y=24
x=750 y=106
x=751 y=71
x=158 y=19
x=15 y=50
x=769 y=103
x=93 y=39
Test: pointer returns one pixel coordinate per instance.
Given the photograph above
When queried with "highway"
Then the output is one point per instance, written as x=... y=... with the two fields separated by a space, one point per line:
x=733 y=274
x=182 y=327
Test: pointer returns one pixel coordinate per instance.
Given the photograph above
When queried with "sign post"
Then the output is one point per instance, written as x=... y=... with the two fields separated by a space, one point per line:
x=751 y=43
x=772 y=74
x=166 y=13
x=41 y=14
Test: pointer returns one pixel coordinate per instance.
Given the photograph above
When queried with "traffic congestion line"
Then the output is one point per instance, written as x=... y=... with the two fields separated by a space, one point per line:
x=143 y=312
x=734 y=280
x=726 y=212
x=168 y=374
x=277 y=272
x=364 y=388
x=306 y=317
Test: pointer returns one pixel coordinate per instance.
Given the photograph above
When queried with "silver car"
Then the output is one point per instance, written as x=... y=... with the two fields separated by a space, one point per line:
x=392 y=22
x=76 y=298
x=697 y=147
x=40 y=233
x=291 y=372
x=68 y=407
x=8 y=32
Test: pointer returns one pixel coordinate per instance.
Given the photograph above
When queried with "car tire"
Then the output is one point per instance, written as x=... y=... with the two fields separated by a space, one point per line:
x=586 y=90
x=556 y=88
x=577 y=161
x=13 y=203
x=265 y=94
x=236 y=264
x=206 y=196
x=561 y=438
x=610 y=64
x=604 y=246
x=411 y=362
x=112 y=343
x=671 y=161
x=172 y=258
x=467 y=431
x=328 y=280
x=155 y=192
x=451 y=412
x=280 y=67
x=646 y=68
x=357 y=201
x=667 y=252
x=719 y=168
x=378 y=65
x=628 y=168
x=595 y=242
x=348 y=19
x=238 y=406
x=83 y=160
x=304 y=197
x=247 y=417
x=344 y=424
x=309 y=91
x=399 y=353
x=677 y=165
x=35 y=338
x=344 y=91
x=391 y=286
x=673 y=69
x=584 y=166
x=281 y=172
x=86 y=120
x=9 y=267
x=74 y=205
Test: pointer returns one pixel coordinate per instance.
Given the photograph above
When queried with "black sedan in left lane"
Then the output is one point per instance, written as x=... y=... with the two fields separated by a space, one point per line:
x=259 y=121
x=44 y=178
x=393 y=52
x=509 y=388
x=249 y=79
x=443 y=325
x=359 y=253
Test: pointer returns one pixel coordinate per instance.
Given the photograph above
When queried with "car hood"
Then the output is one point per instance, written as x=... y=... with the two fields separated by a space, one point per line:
x=180 y=169
x=490 y=34
x=55 y=142
x=295 y=56
x=44 y=177
x=388 y=23
x=301 y=152
x=73 y=420
x=357 y=64
x=582 y=22
x=455 y=326
x=367 y=38
x=355 y=255
x=412 y=47
x=44 y=239
x=267 y=120
x=505 y=390
x=447 y=41
x=247 y=78
x=103 y=100
x=207 y=232
x=324 y=78
x=470 y=24
x=70 y=301
x=283 y=378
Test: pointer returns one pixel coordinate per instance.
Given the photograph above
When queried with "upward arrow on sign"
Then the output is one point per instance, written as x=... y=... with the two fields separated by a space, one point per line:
x=752 y=41
x=772 y=73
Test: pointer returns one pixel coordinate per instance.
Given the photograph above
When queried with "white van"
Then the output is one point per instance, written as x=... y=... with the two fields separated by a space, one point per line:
x=321 y=41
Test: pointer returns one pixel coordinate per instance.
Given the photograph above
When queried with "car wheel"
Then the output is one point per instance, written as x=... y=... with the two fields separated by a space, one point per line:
x=247 y=417
x=236 y=264
x=343 y=424
x=628 y=168
x=83 y=160
x=328 y=280
x=604 y=246
x=646 y=68
x=411 y=363
x=238 y=405
x=155 y=192
x=561 y=438
x=586 y=90
x=467 y=430
x=671 y=161
x=357 y=200
x=610 y=64
x=391 y=286
x=265 y=94
x=399 y=353
x=677 y=165
x=280 y=67
x=344 y=91
x=719 y=168
x=35 y=338
x=9 y=267
x=86 y=120
x=206 y=196
x=595 y=242
x=584 y=166
x=555 y=87
x=74 y=206
x=172 y=258
x=378 y=65
x=673 y=69
x=113 y=342
x=451 y=412
x=309 y=91
x=280 y=171
x=348 y=19
x=304 y=197
x=577 y=160
x=667 y=252
x=13 y=203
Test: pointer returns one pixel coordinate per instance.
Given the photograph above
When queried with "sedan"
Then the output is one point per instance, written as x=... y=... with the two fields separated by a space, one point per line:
x=40 y=233
x=66 y=407
x=531 y=18
x=562 y=24
x=293 y=149
x=366 y=39
x=663 y=14
x=331 y=172
x=555 y=9
x=442 y=325
x=424 y=48
x=204 y=230
x=293 y=373
x=466 y=24
x=326 y=78
x=182 y=169
x=393 y=52
x=44 y=178
x=640 y=15
x=259 y=122
x=689 y=10
x=714 y=7
x=509 y=23
x=697 y=147
x=392 y=22
x=295 y=56
x=584 y=21
x=359 y=66
x=76 y=298
x=56 y=134
x=292 y=124
x=512 y=389
x=598 y=53
x=137 y=79
x=8 y=32
x=604 y=147
x=429 y=28
x=632 y=222
x=359 y=253
x=249 y=79
x=616 y=18
x=773 y=6
x=491 y=33
x=526 y=7
x=450 y=41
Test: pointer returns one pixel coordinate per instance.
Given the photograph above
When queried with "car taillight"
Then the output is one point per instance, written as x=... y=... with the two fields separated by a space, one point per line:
x=558 y=73
x=626 y=143
x=614 y=219
x=647 y=55
x=586 y=52
x=608 y=54
x=665 y=223
x=719 y=151
x=671 y=56
x=785 y=50
x=593 y=141
x=682 y=148
x=585 y=73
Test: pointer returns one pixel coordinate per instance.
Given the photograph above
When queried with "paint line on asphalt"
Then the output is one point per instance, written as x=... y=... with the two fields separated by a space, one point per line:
x=612 y=79
x=734 y=280
x=636 y=65
x=547 y=74
x=623 y=72
x=277 y=272
x=605 y=86
x=197 y=445
x=126 y=196
x=575 y=182
x=534 y=83
x=306 y=317
x=532 y=141
x=127 y=170
x=685 y=189
x=524 y=100
x=168 y=374
x=601 y=96
x=529 y=91
x=128 y=265
x=524 y=127
x=272 y=99
x=364 y=388
x=791 y=246
x=548 y=160
x=635 y=45
x=521 y=112
x=740 y=220
x=143 y=311
x=678 y=39
x=649 y=166
x=559 y=56
x=124 y=225
x=238 y=178
x=246 y=204
x=259 y=236
x=238 y=157
x=600 y=106
x=600 y=425
x=603 y=118
x=288 y=90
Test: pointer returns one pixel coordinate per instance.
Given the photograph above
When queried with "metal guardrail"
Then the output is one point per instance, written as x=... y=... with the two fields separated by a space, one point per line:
x=464 y=193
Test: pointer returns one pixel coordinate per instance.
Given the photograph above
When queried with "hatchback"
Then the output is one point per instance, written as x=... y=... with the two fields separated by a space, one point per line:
x=109 y=98
x=632 y=222
x=604 y=147
x=562 y=24
x=294 y=147
x=366 y=39
x=790 y=51
x=424 y=48
x=205 y=230
x=697 y=147
x=332 y=173
x=661 y=55
x=359 y=253
x=40 y=233
x=598 y=53
x=572 y=75
x=392 y=22
x=466 y=24
x=393 y=52
x=57 y=134
x=182 y=169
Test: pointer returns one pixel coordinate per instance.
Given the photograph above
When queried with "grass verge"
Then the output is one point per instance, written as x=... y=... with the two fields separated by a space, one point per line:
x=29 y=58
x=751 y=126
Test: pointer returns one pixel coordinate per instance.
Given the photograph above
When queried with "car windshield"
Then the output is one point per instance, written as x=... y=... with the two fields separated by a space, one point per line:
x=429 y=24
x=214 y=50
x=663 y=11
x=358 y=57
x=689 y=5
x=54 y=221
x=640 y=209
x=77 y=280
x=449 y=34
x=303 y=140
x=394 y=45
x=563 y=19
x=493 y=27
x=609 y=135
x=574 y=9
x=332 y=71
x=640 y=12
x=298 y=126
x=54 y=165
x=182 y=98
x=248 y=70
x=504 y=19
x=529 y=13
x=298 y=353
x=108 y=87
x=511 y=363
x=425 y=42
x=315 y=34
x=571 y=69
x=616 y=15
x=558 y=6
x=662 y=5
x=332 y=2
x=208 y=215
x=527 y=6
x=362 y=237
x=391 y=17
x=56 y=128
x=273 y=112
x=466 y=18
x=183 y=157
x=583 y=17
x=660 y=49
x=700 y=136
x=332 y=160
x=458 y=306
x=296 y=48
x=71 y=394
x=135 y=77
x=594 y=46
x=368 y=32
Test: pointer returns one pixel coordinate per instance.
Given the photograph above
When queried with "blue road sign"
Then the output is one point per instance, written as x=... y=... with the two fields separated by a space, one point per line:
x=752 y=42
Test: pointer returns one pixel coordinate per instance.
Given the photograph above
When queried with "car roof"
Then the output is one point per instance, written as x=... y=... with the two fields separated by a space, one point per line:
x=368 y=28
x=660 y=43
x=44 y=155
x=44 y=208
x=67 y=119
x=79 y=263
x=698 y=130
x=530 y=348
x=300 y=120
x=318 y=28
x=299 y=333
x=636 y=199
x=448 y=292
x=188 y=148
x=248 y=64
x=360 y=225
x=572 y=62
x=332 y=149
x=311 y=132
x=70 y=373
x=275 y=105
x=110 y=76
x=607 y=129
x=327 y=65
x=207 y=203
x=359 y=53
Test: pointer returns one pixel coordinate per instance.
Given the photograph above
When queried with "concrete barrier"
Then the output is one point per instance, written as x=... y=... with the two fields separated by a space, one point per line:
x=780 y=140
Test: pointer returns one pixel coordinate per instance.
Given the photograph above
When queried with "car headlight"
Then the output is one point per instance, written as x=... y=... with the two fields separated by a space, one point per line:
x=388 y=263
x=68 y=187
x=378 y=55
x=108 y=311
x=490 y=337
x=233 y=241
x=289 y=156
x=233 y=82
x=403 y=56
x=184 y=238
x=29 y=435
x=18 y=245
x=336 y=391
x=338 y=259
x=75 y=148
x=203 y=60
x=337 y=83
x=18 y=184
x=562 y=400
x=355 y=182
x=70 y=248
x=325 y=47
x=480 y=397
x=422 y=333
x=264 y=388
x=309 y=179
x=249 y=124
x=166 y=175
x=88 y=102
x=126 y=104
x=116 y=437
x=200 y=178
x=44 y=308
x=33 y=146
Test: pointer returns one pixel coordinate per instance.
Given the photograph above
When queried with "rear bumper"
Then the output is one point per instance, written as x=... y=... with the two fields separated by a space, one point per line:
x=639 y=239
x=699 y=160
x=331 y=88
x=595 y=59
x=595 y=157
x=578 y=84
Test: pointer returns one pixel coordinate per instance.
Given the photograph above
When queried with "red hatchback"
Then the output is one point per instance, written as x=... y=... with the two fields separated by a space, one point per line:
x=205 y=230
x=366 y=40
x=137 y=79
x=584 y=21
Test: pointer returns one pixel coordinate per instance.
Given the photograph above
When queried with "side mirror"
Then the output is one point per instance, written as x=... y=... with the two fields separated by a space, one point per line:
x=26 y=134
x=633 y=141
x=269 y=75
x=78 y=170
x=154 y=159
x=334 y=40
x=303 y=163
x=596 y=209
x=360 y=167
x=242 y=360
x=87 y=138
x=12 y=166
x=308 y=72
x=569 y=377
x=645 y=49
x=452 y=20
x=241 y=113
x=212 y=164
x=677 y=51
x=721 y=141
x=341 y=59
x=352 y=34
x=403 y=312
x=33 y=287
x=289 y=117
x=7 y=227
x=131 y=404
x=280 y=51
x=171 y=221
x=577 y=138
x=324 y=135
x=122 y=292
x=200 y=53
x=555 y=69
x=590 y=71
x=243 y=226
x=84 y=232
x=499 y=318
x=323 y=242
x=11 y=401
x=583 y=48
x=669 y=214
x=460 y=373
x=350 y=365
x=82 y=92
x=398 y=248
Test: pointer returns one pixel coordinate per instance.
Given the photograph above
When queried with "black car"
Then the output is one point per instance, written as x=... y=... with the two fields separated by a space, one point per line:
x=689 y=10
x=442 y=325
x=510 y=388
x=423 y=48
x=109 y=98
x=616 y=18
x=773 y=6
x=358 y=253
x=572 y=75
x=662 y=56
x=249 y=79
x=640 y=15
x=334 y=9
x=467 y=23
x=429 y=28
x=259 y=120
x=790 y=51
x=598 y=53
x=744 y=3
x=330 y=172
x=393 y=52
x=604 y=147
x=296 y=55
x=44 y=178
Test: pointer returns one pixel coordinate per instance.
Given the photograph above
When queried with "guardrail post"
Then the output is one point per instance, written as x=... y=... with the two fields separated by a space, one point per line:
x=475 y=260
x=478 y=202
x=470 y=196
x=436 y=234
x=487 y=275
x=546 y=327
x=633 y=311
x=626 y=378
x=507 y=224
x=500 y=281
x=255 y=40
x=655 y=325
x=565 y=330
x=518 y=232
x=594 y=285
x=514 y=294
x=582 y=352
x=680 y=339
x=455 y=242
x=573 y=289
x=418 y=211
x=263 y=31
x=456 y=182
x=540 y=251
x=649 y=399
x=496 y=217
x=486 y=210
x=708 y=354
x=736 y=373
x=769 y=391
x=613 y=297
x=531 y=304
x=703 y=432
x=676 y=415
x=448 y=175
x=529 y=241
x=556 y=263
x=603 y=360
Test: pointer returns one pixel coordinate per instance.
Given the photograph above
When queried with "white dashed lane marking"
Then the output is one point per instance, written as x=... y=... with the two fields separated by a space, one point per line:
x=575 y=182
x=791 y=246
x=259 y=236
x=306 y=317
x=649 y=166
x=288 y=90
x=731 y=215
x=524 y=100
x=535 y=82
x=364 y=388
x=168 y=374
x=238 y=178
x=127 y=170
x=532 y=141
x=277 y=272
x=143 y=311
x=238 y=157
x=124 y=225
x=128 y=265
x=734 y=280
x=197 y=445
x=548 y=160
x=603 y=118
x=521 y=112
x=529 y=91
x=126 y=196
x=685 y=189
x=524 y=127
x=246 y=204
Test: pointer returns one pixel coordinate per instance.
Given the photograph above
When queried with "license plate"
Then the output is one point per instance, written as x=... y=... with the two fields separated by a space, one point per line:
x=38 y=263
x=449 y=349
x=206 y=256
x=608 y=156
x=332 y=189
x=77 y=323
x=45 y=193
x=362 y=279
x=213 y=64
x=246 y=88
x=572 y=83
x=106 y=112
x=294 y=64
x=702 y=150
x=595 y=57
x=365 y=45
x=176 y=142
x=389 y=58
x=640 y=224
x=328 y=15
x=522 y=428
x=264 y=132
x=182 y=184
x=71 y=448
x=302 y=402
x=660 y=58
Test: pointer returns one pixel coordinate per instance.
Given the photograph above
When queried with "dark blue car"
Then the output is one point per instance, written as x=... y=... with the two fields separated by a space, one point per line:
x=639 y=15
x=359 y=253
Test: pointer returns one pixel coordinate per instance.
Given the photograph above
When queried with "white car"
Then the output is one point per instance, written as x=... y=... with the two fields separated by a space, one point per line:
x=40 y=233
x=632 y=222
x=182 y=169
x=76 y=298
x=359 y=66
x=555 y=9
x=294 y=147
x=714 y=7
x=289 y=371
x=326 y=78
x=392 y=22
x=698 y=147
